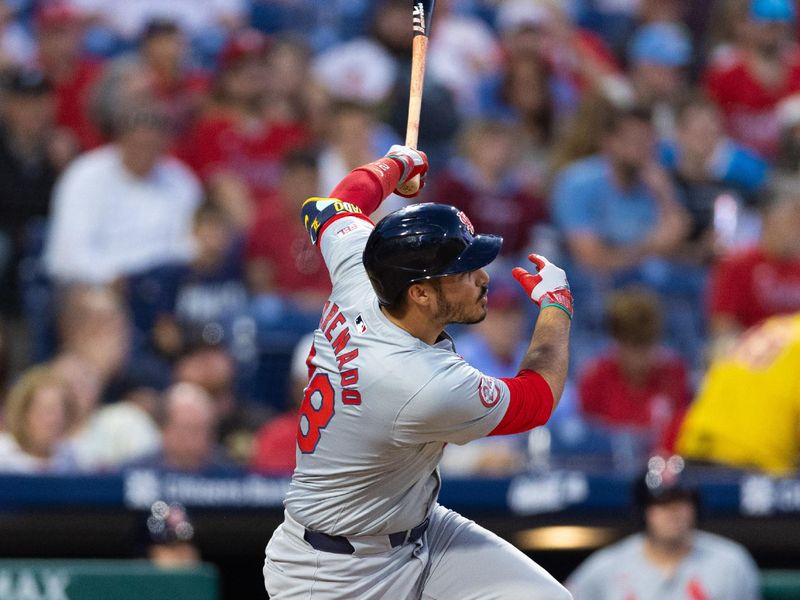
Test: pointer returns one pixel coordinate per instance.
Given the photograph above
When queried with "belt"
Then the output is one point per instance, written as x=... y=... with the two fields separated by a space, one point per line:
x=339 y=544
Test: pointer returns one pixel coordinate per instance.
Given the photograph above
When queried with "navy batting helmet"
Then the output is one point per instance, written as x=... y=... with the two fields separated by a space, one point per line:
x=421 y=242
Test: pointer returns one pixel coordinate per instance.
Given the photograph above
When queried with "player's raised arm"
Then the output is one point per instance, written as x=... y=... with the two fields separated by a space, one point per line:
x=543 y=371
x=361 y=192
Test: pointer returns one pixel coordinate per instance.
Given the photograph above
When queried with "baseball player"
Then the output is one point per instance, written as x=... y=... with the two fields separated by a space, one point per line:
x=670 y=559
x=387 y=391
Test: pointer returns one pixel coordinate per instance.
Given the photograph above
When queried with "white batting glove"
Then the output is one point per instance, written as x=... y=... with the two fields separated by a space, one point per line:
x=548 y=287
x=414 y=163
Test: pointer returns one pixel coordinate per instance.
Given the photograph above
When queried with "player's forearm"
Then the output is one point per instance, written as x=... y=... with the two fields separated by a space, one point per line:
x=548 y=353
x=367 y=186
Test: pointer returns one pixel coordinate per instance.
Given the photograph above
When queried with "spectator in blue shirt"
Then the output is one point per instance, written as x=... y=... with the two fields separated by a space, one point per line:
x=620 y=219
x=704 y=164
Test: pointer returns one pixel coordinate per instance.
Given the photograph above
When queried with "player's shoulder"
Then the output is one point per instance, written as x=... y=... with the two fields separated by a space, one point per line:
x=722 y=548
x=318 y=213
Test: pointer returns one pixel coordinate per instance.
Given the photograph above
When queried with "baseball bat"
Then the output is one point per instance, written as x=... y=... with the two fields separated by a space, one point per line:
x=421 y=14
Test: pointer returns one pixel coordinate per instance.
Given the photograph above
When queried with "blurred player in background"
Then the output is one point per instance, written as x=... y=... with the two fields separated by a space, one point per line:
x=670 y=559
x=387 y=392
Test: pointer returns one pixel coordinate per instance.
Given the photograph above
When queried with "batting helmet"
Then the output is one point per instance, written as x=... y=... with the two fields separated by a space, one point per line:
x=423 y=241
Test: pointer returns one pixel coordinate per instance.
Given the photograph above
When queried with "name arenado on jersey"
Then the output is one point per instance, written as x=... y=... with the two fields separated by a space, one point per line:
x=334 y=321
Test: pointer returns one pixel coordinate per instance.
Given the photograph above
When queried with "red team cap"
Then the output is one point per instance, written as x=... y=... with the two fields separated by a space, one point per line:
x=248 y=43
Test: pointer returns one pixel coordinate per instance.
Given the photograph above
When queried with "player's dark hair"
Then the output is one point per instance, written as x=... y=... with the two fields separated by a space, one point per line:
x=398 y=307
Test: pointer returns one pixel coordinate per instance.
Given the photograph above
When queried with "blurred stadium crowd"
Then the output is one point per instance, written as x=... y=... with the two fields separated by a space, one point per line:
x=158 y=287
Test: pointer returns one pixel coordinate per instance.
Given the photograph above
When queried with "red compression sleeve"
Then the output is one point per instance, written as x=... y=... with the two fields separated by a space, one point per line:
x=367 y=186
x=530 y=405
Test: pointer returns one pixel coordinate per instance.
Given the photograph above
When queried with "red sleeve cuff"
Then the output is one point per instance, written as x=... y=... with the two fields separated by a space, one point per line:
x=530 y=405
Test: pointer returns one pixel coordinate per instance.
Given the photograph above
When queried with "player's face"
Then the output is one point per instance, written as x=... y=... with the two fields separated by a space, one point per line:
x=671 y=523
x=461 y=298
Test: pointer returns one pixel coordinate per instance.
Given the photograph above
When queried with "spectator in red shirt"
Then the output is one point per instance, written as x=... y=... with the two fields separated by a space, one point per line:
x=163 y=47
x=495 y=194
x=748 y=79
x=753 y=284
x=59 y=30
x=637 y=385
x=279 y=258
x=235 y=147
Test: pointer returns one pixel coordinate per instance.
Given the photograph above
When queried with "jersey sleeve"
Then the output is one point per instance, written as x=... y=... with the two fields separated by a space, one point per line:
x=340 y=229
x=457 y=404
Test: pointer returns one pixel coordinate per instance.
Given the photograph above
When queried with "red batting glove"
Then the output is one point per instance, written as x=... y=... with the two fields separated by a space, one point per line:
x=548 y=287
x=413 y=162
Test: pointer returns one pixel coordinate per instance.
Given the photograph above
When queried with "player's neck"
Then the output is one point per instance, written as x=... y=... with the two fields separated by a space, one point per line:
x=666 y=556
x=417 y=324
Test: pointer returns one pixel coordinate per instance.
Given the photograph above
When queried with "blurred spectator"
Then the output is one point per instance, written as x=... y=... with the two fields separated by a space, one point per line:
x=788 y=113
x=170 y=533
x=439 y=115
x=463 y=51
x=94 y=356
x=486 y=182
x=207 y=23
x=659 y=58
x=125 y=207
x=59 y=30
x=176 y=306
x=637 y=386
x=276 y=441
x=747 y=411
x=762 y=67
x=38 y=413
x=578 y=61
x=236 y=146
x=496 y=346
x=705 y=164
x=188 y=432
x=621 y=221
x=522 y=96
x=288 y=265
x=288 y=87
x=354 y=137
x=124 y=81
x=583 y=133
x=671 y=558
x=17 y=48
x=213 y=369
x=93 y=325
x=162 y=48
x=750 y=285
x=123 y=430
x=29 y=164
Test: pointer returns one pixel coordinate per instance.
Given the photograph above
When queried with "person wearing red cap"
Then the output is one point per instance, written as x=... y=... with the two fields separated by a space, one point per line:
x=235 y=147
x=59 y=36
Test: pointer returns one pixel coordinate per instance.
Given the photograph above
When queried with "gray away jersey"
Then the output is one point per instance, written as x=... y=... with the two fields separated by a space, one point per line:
x=379 y=407
x=716 y=569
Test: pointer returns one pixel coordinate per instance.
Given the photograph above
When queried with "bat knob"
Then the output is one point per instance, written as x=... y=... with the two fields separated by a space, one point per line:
x=409 y=188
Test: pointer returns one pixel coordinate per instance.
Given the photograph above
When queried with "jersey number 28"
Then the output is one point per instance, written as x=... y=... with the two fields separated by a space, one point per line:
x=315 y=412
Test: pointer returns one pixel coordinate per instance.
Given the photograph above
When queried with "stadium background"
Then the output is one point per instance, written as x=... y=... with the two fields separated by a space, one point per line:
x=266 y=102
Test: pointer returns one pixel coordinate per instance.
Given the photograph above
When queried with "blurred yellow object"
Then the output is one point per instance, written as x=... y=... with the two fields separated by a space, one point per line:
x=747 y=414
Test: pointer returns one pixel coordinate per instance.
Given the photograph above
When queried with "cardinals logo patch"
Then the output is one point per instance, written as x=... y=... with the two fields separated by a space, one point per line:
x=465 y=220
x=489 y=391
